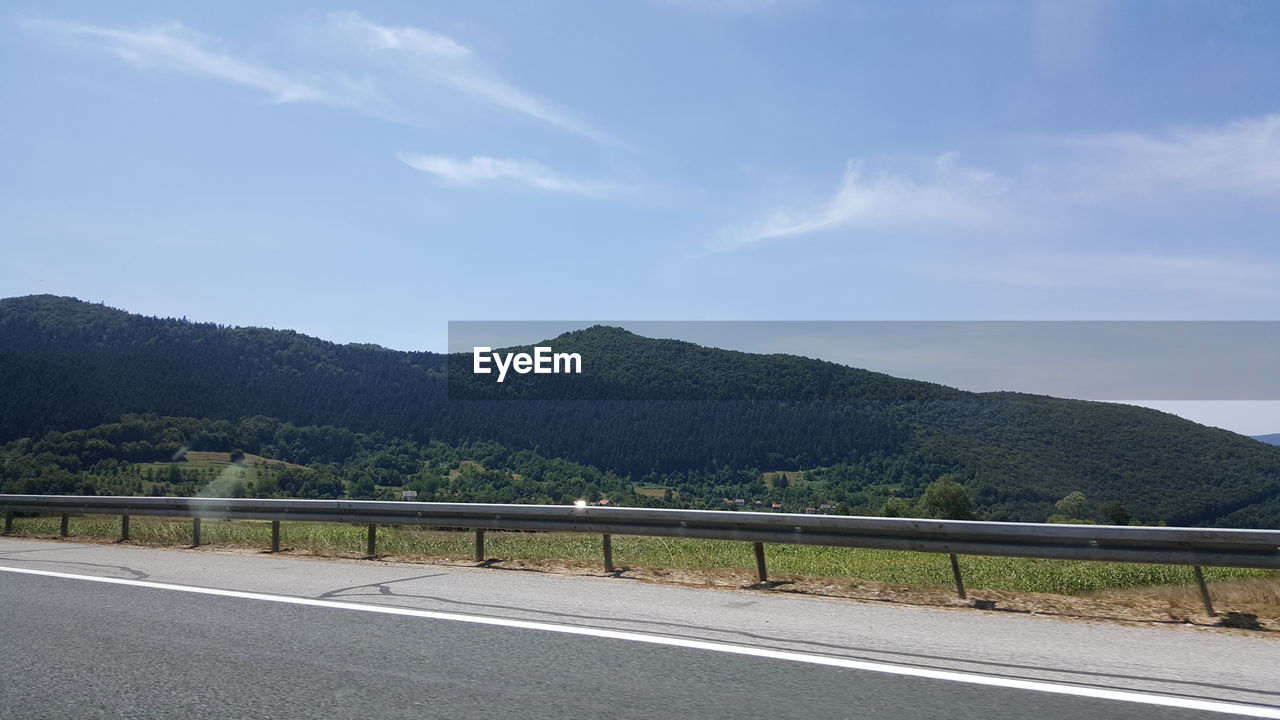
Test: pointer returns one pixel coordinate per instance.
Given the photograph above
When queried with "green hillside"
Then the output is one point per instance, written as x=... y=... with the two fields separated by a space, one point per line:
x=705 y=423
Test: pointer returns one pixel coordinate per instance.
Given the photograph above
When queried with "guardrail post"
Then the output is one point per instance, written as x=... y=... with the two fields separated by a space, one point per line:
x=63 y=529
x=479 y=546
x=275 y=536
x=1204 y=591
x=195 y=532
x=761 y=571
x=124 y=528
x=607 y=541
x=955 y=573
x=8 y=523
x=372 y=548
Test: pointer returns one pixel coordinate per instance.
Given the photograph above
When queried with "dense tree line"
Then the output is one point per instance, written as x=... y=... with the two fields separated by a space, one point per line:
x=147 y=454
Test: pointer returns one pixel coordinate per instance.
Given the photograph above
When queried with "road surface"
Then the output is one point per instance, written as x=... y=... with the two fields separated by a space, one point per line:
x=98 y=631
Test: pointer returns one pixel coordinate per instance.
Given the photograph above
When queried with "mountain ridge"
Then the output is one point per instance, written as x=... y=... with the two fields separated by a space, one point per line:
x=865 y=436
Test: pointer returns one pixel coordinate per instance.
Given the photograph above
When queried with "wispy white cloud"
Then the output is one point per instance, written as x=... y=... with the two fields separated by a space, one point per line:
x=952 y=195
x=1240 y=157
x=406 y=59
x=410 y=40
x=439 y=59
x=481 y=169
x=1056 y=180
x=174 y=47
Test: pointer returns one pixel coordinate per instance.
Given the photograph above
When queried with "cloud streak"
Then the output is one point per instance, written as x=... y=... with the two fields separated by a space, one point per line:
x=480 y=169
x=174 y=47
x=1058 y=178
x=951 y=196
x=1241 y=157
x=441 y=60
x=408 y=59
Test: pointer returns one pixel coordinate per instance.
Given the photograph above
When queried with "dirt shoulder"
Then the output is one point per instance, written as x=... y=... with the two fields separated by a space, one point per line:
x=1148 y=606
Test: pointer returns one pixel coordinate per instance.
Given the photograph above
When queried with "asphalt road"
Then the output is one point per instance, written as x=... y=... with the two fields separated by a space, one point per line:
x=75 y=647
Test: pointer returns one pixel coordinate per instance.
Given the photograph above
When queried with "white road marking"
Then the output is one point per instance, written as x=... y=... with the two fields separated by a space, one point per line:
x=1257 y=711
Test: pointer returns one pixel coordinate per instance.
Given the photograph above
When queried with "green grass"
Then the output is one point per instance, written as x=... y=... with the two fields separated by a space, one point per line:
x=653 y=491
x=792 y=476
x=885 y=566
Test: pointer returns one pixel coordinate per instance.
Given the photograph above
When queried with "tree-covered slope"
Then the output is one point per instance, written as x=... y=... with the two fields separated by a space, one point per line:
x=146 y=454
x=65 y=364
x=663 y=411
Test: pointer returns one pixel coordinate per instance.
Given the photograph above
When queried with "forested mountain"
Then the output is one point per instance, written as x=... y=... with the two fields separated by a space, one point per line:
x=1272 y=439
x=701 y=421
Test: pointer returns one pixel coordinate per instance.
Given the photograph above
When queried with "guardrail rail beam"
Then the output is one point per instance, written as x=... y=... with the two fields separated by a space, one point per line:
x=1193 y=547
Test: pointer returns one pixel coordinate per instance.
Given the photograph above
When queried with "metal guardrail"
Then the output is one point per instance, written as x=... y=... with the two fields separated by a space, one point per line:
x=1195 y=547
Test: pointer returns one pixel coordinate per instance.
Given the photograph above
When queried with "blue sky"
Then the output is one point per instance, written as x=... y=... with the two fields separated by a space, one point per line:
x=367 y=174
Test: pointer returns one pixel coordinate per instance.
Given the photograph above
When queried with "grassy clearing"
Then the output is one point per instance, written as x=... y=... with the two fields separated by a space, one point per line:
x=653 y=491
x=883 y=566
x=771 y=476
x=222 y=459
x=217 y=462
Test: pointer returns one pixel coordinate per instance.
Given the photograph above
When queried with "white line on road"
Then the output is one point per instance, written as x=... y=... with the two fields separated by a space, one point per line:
x=791 y=656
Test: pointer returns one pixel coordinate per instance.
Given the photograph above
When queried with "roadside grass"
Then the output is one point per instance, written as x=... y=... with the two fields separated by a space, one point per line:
x=882 y=566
